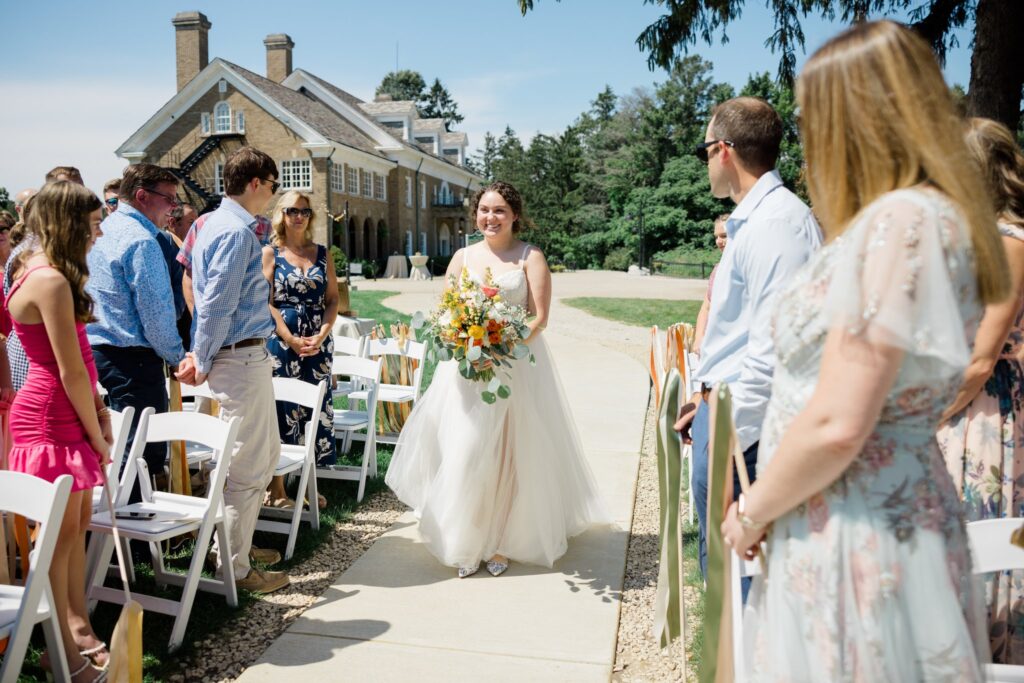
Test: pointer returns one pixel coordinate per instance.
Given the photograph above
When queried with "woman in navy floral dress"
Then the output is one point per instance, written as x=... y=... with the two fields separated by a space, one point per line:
x=304 y=306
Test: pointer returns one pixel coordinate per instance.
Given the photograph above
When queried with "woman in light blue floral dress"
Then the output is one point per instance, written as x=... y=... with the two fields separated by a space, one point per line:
x=983 y=441
x=304 y=305
x=868 y=570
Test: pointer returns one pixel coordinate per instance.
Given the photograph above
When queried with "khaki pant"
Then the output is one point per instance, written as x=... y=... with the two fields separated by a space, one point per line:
x=241 y=381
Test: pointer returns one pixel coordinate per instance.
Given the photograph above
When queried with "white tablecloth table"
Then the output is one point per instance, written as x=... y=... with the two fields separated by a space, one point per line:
x=419 y=268
x=396 y=267
x=352 y=327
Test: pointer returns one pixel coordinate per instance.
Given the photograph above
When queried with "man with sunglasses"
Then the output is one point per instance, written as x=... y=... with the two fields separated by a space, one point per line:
x=110 y=191
x=229 y=350
x=135 y=331
x=771 y=234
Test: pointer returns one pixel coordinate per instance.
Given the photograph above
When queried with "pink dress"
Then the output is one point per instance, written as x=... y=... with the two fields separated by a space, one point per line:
x=48 y=437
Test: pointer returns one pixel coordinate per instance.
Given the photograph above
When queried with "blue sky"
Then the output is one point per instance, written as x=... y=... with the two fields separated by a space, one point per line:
x=81 y=77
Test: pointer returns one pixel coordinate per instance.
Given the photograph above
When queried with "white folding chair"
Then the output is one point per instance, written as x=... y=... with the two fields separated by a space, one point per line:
x=991 y=551
x=347 y=346
x=347 y=422
x=741 y=637
x=197 y=455
x=120 y=425
x=395 y=393
x=297 y=458
x=22 y=607
x=686 y=391
x=173 y=515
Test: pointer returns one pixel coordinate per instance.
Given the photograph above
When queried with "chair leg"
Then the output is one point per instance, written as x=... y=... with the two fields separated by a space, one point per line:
x=227 y=570
x=156 y=552
x=188 y=592
x=313 y=493
x=54 y=641
x=362 y=472
x=99 y=573
x=293 y=529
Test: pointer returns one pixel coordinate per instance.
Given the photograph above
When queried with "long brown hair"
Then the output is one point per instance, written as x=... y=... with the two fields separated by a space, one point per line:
x=60 y=221
x=877 y=117
x=1002 y=166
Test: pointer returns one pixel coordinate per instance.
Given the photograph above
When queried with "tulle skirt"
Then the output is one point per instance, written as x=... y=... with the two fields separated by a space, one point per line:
x=507 y=478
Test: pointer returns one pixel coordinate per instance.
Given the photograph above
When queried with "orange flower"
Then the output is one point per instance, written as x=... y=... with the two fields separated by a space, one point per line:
x=478 y=342
x=493 y=326
x=489 y=292
x=494 y=338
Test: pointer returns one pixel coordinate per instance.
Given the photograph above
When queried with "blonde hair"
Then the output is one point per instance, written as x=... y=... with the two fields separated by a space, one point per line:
x=60 y=220
x=877 y=117
x=289 y=199
x=1002 y=166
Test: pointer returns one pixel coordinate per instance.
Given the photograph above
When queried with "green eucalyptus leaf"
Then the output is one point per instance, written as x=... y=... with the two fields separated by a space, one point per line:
x=488 y=397
x=504 y=391
x=494 y=385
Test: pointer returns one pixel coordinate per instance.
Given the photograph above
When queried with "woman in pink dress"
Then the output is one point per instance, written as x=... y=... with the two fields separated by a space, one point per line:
x=58 y=423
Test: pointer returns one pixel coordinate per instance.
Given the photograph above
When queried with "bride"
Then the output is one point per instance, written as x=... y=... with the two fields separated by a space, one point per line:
x=503 y=481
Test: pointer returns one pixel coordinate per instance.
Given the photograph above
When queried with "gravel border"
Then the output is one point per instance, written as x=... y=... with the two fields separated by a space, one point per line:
x=223 y=655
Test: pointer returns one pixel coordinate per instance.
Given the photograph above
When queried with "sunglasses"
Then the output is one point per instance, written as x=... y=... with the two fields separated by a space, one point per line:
x=292 y=212
x=112 y=202
x=701 y=150
x=273 y=185
x=173 y=201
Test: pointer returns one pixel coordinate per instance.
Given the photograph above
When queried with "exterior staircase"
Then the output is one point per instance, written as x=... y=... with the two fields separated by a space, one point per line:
x=208 y=199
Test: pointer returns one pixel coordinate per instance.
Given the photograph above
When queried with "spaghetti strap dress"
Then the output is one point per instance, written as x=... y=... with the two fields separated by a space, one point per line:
x=47 y=435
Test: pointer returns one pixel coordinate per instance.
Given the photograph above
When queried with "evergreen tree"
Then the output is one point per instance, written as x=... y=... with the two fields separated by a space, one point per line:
x=438 y=104
x=402 y=86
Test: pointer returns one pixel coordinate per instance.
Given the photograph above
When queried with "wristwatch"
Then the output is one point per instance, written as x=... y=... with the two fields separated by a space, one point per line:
x=745 y=521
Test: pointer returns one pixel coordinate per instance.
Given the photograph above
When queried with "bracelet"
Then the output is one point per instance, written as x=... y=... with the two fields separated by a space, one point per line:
x=103 y=413
x=744 y=520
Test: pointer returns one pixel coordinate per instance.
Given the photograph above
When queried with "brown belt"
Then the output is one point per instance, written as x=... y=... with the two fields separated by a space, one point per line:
x=705 y=391
x=255 y=341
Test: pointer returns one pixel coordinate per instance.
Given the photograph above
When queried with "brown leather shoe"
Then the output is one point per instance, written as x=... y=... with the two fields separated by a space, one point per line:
x=266 y=556
x=260 y=581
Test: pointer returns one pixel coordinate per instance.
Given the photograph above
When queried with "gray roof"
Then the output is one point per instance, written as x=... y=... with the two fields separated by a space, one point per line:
x=428 y=126
x=385 y=108
x=454 y=138
x=314 y=113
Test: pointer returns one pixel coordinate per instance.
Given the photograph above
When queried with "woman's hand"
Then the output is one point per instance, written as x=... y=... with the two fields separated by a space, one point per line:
x=101 y=447
x=975 y=377
x=742 y=539
x=296 y=344
x=312 y=345
x=6 y=399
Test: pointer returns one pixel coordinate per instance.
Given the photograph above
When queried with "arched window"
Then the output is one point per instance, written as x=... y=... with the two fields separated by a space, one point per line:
x=444 y=240
x=222 y=118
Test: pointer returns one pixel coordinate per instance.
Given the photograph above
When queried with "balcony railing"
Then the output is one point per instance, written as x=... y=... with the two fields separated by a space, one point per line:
x=447 y=203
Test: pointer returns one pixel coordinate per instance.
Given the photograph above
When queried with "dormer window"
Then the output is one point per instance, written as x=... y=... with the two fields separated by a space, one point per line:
x=222 y=118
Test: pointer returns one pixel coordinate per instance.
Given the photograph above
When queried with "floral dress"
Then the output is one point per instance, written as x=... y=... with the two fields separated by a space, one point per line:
x=302 y=299
x=984 y=450
x=870 y=580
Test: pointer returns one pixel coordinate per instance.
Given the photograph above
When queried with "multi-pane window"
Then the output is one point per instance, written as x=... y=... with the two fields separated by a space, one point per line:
x=337 y=178
x=297 y=174
x=352 y=180
x=218 y=178
x=222 y=118
x=379 y=188
x=205 y=122
x=239 y=122
x=408 y=191
x=423 y=194
x=367 y=183
x=408 y=242
x=423 y=243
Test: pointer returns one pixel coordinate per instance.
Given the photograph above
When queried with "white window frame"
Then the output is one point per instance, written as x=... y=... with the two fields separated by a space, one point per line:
x=423 y=243
x=337 y=178
x=296 y=174
x=423 y=194
x=204 y=123
x=367 y=183
x=380 y=187
x=222 y=117
x=218 y=178
x=408 y=191
x=435 y=194
x=240 y=122
x=408 y=242
x=444 y=241
x=352 y=180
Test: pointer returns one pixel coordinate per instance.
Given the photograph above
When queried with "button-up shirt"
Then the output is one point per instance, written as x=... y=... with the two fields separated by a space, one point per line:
x=771 y=235
x=232 y=296
x=130 y=287
x=184 y=257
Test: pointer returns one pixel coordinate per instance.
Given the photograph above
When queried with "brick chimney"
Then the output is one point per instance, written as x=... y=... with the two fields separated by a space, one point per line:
x=279 y=56
x=192 y=52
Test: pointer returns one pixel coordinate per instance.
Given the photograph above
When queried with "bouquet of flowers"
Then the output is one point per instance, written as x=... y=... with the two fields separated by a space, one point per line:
x=474 y=326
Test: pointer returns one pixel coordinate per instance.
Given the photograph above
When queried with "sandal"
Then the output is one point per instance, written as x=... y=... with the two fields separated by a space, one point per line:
x=86 y=665
x=90 y=654
x=282 y=503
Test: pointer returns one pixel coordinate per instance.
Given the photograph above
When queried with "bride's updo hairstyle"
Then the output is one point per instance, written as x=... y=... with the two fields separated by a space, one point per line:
x=876 y=116
x=511 y=195
x=1002 y=166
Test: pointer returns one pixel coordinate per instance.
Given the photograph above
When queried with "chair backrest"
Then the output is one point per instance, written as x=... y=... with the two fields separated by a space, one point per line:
x=307 y=395
x=348 y=346
x=120 y=425
x=389 y=346
x=352 y=366
x=211 y=432
x=991 y=549
x=38 y=500
x=189 y=391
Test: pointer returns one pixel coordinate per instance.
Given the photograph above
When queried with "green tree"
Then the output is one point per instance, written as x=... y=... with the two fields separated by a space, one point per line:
x=438 y=104
x=402 y=86
x=5 y=200
x=997 y=60
x=791 y=154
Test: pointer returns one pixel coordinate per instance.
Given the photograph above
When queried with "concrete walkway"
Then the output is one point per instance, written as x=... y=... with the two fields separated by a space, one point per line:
x=398 y=615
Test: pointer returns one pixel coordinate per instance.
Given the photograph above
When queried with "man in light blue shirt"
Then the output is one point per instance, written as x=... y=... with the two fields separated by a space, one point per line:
x=771 y=234
x=229 y=351
x=135 y=331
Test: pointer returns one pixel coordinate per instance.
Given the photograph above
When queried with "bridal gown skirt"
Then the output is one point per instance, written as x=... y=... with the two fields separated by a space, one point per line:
x=508 y=478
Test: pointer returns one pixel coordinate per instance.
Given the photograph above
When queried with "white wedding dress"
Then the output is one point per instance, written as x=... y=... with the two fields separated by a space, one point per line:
x=507 y=478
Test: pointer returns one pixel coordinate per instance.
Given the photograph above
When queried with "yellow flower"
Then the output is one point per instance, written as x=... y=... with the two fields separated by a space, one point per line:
x=476 y=331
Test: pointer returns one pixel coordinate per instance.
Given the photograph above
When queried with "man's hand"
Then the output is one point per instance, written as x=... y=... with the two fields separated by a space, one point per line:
x=186 y=373
x=200 y=377
x=685 y=418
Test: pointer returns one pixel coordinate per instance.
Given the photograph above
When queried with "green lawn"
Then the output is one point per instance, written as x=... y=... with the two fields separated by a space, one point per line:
x=210 y=612
x=640 y=312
